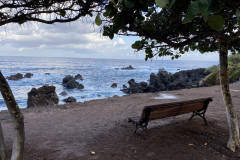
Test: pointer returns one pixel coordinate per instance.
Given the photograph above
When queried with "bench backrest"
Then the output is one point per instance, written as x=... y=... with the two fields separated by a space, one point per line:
x=172 y=109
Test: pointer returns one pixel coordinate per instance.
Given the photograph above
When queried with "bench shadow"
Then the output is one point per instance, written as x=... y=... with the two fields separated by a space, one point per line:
x=170 y=138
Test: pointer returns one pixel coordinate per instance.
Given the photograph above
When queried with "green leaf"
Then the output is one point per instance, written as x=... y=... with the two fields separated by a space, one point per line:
x=172 y=3
x=188 y=17
x=98 y=20
x=62 y=13
x=238 y=17
x=216 y=22
x=193 y=10
x=114 y=1
x=105 y=14
x=203 y=5
x=205 y=14
x=161 y=3
x=129 y=4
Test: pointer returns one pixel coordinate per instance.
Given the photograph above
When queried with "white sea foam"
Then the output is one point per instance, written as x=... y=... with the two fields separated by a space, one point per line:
x=234 y=90
x=166 y=96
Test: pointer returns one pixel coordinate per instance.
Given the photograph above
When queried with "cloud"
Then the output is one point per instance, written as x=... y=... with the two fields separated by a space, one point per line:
x=74 y=39
x=77 y=39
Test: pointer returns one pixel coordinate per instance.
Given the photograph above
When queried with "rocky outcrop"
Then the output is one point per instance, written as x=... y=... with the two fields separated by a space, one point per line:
x=128 y=68
x=136 y=87
x=114 y=85
x=70 y=83
x=63 y=93
x=124 y=86
x=43 y=96
x=78 y=76
x=28 y=75
x=70 y=100
x=19 y=76
x=163 y=81
x=15 y=77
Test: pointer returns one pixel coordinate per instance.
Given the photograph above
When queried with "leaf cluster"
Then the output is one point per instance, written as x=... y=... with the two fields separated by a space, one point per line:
x=46 y=11
x=173 y=27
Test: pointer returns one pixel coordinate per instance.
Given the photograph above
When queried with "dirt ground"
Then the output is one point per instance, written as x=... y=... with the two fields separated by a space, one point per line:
x=73 y=131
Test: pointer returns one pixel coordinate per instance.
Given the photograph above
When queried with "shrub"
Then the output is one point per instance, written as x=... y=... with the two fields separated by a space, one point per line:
x=235 y=59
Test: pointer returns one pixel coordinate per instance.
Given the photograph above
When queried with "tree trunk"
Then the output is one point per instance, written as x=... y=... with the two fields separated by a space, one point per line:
x=233 y=127
x=3 y=151
x=17 y=118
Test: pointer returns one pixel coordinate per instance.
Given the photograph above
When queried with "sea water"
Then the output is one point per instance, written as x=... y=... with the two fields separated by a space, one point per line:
x=98 y=74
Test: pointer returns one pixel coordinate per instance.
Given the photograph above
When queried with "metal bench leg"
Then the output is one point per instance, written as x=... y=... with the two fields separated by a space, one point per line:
x=143 y=126
x=200 y=114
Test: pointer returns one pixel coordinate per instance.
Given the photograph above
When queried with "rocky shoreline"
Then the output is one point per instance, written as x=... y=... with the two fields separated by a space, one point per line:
x=163 y=81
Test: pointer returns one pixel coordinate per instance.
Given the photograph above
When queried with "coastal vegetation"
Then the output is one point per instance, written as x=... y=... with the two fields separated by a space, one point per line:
x=233 y=71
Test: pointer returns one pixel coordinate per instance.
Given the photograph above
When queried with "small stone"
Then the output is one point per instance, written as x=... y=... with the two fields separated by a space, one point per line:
x=114 y=85
x=93 y=153
x=28 y=75
x=63 y=93
x=70 y=100
x=78 y=76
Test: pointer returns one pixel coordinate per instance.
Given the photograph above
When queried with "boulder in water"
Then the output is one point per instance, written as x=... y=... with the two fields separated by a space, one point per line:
x=70 y=83
x=124 y=86
x=70 y=100
x=78 y=76
x=63 y=93
x=43 y=96
x=15 y=77
x=114 y=85
x=28 y=75
x=128 y=68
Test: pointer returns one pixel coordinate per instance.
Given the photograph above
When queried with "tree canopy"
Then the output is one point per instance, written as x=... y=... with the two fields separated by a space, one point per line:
x=180 y=25
x=46 y=11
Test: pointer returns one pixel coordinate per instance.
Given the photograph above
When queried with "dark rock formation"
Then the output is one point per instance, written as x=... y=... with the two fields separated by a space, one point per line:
x=78 y=76
x=124 y=86
x=63 y=93
x=166 y=81
x=43 y=96
x=70 y=100
x=70 y=83
x=128 y=68
x=19 y=76
x=47 y=74
x=28 y=75
x=15 y=77
x=114 y=85
x=135 y=87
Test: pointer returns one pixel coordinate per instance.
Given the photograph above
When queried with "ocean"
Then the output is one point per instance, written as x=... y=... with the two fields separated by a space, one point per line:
x=98 y=74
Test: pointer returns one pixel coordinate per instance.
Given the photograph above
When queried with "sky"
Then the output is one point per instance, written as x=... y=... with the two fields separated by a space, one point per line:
x=79 y=39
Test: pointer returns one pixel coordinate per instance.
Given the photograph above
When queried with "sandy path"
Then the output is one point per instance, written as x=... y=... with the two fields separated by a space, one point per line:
x=72 y=131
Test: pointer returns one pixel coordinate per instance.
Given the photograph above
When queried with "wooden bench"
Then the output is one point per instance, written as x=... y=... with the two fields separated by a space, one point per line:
x=198 y=107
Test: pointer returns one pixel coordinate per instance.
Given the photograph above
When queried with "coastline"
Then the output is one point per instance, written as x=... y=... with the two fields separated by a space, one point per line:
x=95 y=84
x=72 y=131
